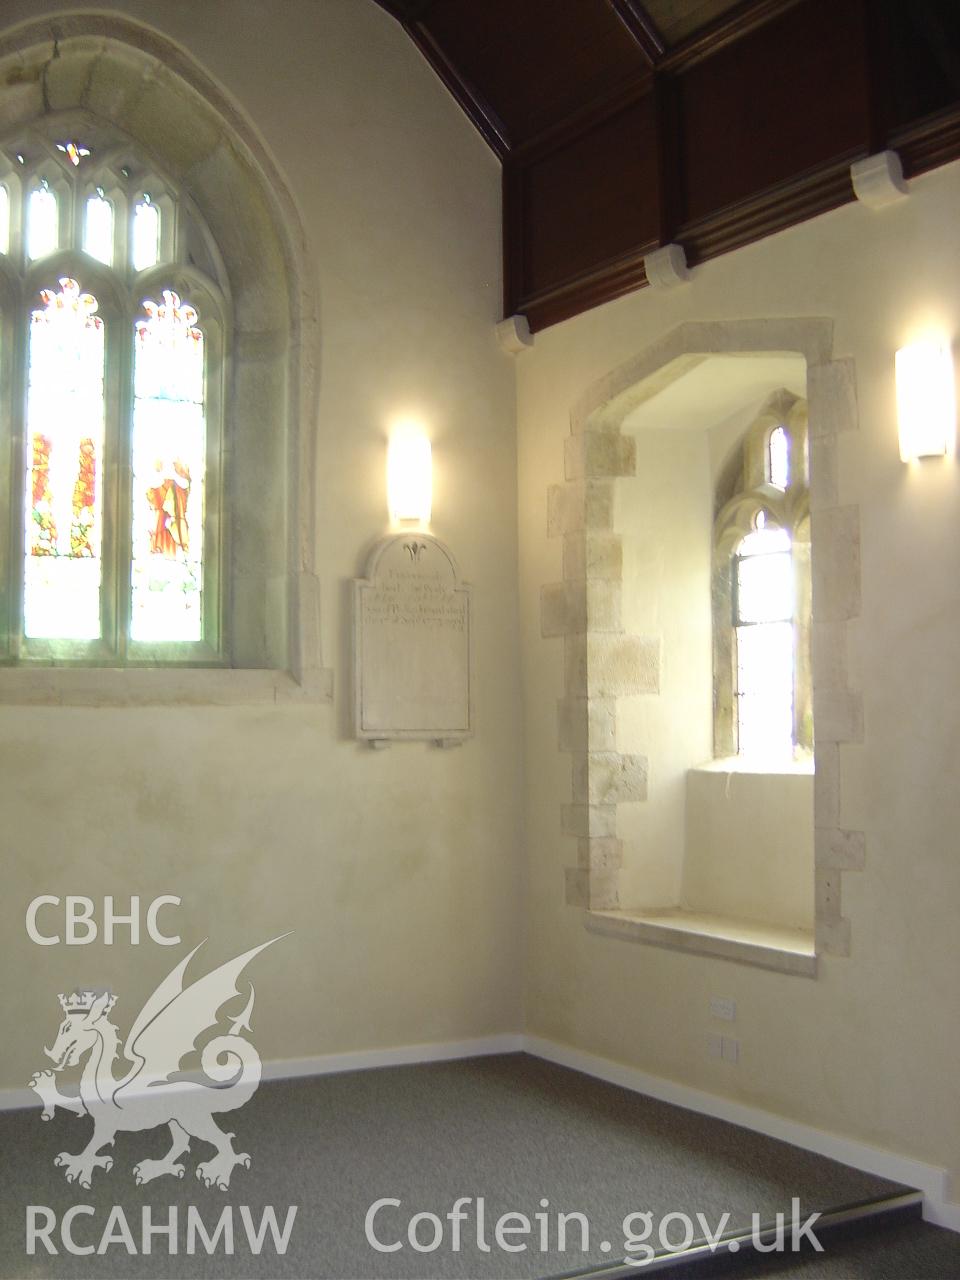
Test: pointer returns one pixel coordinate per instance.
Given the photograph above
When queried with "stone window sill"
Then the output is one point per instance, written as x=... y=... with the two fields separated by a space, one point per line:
x=738 y=764
x=159 y=686
x=699 y=933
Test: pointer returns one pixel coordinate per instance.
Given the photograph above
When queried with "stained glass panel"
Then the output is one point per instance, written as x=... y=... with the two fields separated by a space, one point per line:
x=4 y=220
x=146 y=235
x=64 y=467
x=169 y=451
x=98 y=229
x=43 y=230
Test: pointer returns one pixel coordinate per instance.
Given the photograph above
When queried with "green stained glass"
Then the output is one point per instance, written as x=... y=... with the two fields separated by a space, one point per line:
x=65 y=417
x=169 y=447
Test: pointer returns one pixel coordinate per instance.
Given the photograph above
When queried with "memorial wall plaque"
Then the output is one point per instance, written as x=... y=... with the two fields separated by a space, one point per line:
x=412 y=644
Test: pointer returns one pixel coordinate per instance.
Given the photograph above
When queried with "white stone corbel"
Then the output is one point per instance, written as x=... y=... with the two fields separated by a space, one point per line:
x=514 y=335
x=878 y=179
x=666 y=267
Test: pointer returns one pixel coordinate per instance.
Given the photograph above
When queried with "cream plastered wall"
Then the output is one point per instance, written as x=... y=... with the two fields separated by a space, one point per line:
x=749 y=845
x=663 y=514
x=869 y=1047
x=400 y=870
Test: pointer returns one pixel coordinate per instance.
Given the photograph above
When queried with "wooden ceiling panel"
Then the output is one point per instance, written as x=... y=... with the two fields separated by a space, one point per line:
x=592 y=200
x=627 y=124
x=814 y=98
x=534 y=61
x=677 y=19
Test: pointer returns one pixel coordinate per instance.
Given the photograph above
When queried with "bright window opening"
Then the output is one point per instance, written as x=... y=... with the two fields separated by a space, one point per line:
x=4 y=220
x=98 y=228
x=146 y=235
x=764 y=607
x=169 y=445
x=43 y=232
x=778 y=458
x=63 y=500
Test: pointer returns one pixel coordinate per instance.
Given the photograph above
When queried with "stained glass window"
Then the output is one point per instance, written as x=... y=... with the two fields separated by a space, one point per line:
x=169 y=447
x=43 y=231
x=74 y=151
x=113 y=500
x=98 y=228
x=63 y=493
x=146 y=234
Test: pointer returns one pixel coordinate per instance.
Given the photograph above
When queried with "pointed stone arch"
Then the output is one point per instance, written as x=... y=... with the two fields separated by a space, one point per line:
x=106 y=68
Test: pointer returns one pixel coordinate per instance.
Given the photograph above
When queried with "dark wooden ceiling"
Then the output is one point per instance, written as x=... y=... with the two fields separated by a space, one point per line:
x=522 y=67
x=626 y=124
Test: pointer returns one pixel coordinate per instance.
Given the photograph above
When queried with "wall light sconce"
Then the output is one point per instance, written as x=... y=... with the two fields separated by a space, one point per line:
x=409 y=474
x=926 y=411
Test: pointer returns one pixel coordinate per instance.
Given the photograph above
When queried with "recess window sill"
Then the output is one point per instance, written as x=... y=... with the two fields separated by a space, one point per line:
x=746 y=941
x=741 y=764
x=159 y=686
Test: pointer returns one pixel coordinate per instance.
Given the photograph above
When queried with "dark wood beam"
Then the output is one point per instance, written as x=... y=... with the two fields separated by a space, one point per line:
x=731 y=26
x=641 y=26
x=412 y=15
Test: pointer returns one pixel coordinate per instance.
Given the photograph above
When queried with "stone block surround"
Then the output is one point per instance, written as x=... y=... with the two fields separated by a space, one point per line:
x=603 y=662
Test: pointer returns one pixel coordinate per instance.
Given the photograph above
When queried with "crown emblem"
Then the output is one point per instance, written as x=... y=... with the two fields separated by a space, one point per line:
x=82 y=1001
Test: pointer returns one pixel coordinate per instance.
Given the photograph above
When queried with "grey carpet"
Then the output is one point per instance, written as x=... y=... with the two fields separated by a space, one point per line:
x=511 y=1129
x=875 y=1250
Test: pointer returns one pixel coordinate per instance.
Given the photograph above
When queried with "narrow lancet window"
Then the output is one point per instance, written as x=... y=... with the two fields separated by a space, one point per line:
x=763 y=608
x=169 y=450
x=64 y=480
x=98 y=228
x=778 y=458
x=146 y=234
x=43 y=232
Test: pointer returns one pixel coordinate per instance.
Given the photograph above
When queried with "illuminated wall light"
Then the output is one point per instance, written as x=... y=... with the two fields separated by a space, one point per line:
x=409 y=475
x=926 y=411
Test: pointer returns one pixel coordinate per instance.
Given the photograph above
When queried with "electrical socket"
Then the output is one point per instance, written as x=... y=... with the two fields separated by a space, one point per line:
x=714 y=1045
x=723 y=1007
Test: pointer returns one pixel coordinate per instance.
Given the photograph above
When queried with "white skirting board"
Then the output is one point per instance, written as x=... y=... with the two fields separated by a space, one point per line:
x=329 y=1064
x=928 y=1178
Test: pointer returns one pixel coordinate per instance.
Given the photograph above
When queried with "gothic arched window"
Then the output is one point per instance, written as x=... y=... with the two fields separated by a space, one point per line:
x=762 y=593
x=115 y=318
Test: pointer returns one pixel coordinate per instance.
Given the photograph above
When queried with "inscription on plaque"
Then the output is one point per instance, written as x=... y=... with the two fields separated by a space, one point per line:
x=412 y=644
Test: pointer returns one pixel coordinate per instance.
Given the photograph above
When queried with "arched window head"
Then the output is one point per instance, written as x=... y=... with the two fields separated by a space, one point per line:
x=762 y=593
x=182 y=515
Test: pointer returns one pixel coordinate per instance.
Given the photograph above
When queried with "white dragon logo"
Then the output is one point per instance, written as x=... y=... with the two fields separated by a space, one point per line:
x=166 y=1029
